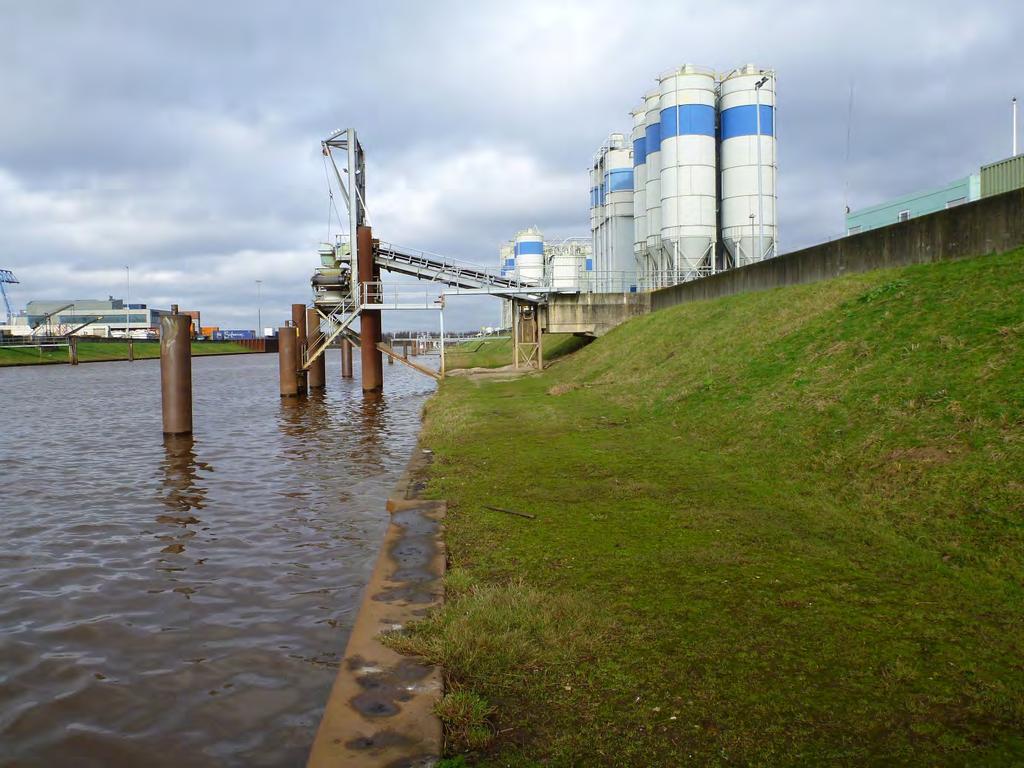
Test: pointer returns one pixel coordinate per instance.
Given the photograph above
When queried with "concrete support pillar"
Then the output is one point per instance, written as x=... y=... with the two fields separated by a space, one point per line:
x=287 y=343
x=369 y=320
x=176 y=374
x=299 y=321
x=317 y=373
x=346 y=359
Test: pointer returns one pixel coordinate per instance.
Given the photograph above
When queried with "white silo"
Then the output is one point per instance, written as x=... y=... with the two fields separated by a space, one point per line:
x=599 y=210
x=652 y=196
x=567 y=262
x=507 y=258
x=593 y=204
x=747 y=185
x=639 y=192
x=688 y=184
x=618 y=184
x=529 y=255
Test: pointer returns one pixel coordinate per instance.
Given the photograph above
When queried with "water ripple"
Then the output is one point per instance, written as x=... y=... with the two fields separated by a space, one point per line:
x=184 y=601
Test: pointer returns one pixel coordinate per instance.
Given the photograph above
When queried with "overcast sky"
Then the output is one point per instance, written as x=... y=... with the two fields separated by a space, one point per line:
x=182 y=138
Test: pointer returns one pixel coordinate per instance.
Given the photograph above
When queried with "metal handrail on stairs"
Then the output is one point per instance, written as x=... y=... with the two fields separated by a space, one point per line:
x=339 y=320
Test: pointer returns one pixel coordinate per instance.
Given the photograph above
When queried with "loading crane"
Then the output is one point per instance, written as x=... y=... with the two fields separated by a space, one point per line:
x=6 y=277
x=348 y=286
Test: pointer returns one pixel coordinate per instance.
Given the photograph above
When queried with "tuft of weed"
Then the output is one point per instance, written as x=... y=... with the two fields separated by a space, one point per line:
x=467 y=720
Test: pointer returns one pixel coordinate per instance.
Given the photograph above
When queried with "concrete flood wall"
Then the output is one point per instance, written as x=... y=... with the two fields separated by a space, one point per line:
x=990 y=225
x=593 y=314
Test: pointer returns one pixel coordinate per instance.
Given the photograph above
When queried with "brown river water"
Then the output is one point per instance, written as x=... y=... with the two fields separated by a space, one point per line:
x=184 y=602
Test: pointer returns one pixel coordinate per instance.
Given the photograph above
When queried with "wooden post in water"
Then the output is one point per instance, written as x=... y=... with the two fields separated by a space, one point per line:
x=175 y=374
x=346 y=359
x=317 y=374
x=372 y=364
x=299 y=321
x=73 y=350
x=287 y=341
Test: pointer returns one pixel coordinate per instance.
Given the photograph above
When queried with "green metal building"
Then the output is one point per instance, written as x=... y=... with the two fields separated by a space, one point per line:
x=1002 y=176
x=910 y=206
x=993 y=179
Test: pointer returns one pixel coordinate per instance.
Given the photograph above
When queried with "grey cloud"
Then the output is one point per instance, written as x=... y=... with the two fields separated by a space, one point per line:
x=183 y=138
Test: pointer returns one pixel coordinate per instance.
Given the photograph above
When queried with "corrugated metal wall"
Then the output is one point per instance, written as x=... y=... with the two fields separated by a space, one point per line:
x=1002 y=176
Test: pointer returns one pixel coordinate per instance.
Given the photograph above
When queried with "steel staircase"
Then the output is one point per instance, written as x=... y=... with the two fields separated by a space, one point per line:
x=338 y=321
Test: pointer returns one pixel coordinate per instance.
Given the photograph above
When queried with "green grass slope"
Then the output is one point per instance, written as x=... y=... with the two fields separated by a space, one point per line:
x=772 y=529
x=94 y=351
x=495 y=353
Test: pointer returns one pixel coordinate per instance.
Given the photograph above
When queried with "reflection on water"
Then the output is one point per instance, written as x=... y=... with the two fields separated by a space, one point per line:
x=181 y=492
x=184 y=601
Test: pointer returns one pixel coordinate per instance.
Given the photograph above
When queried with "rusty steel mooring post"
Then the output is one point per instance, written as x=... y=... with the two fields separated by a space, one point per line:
x=299 y=321
x=369 y=319
x=316 y=376
x=346 y=359
x=176 y=374
x=287 y=339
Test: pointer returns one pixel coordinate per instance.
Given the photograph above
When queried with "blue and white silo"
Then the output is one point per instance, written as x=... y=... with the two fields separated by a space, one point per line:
x=748 y=165
x=639 y=139
x=593 y=205
x=529 y=255
x=507 y=258
x=599 y=213
x=618 y=184
x=688 y=174
x=652 y=196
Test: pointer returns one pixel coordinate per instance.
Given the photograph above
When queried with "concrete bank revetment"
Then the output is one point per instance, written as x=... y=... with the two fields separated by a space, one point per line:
x=381 y=708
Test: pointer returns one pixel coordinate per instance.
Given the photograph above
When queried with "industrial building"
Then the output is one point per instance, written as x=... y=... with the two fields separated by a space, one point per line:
x=692 y=191
x=992 y=179
x=87 y=317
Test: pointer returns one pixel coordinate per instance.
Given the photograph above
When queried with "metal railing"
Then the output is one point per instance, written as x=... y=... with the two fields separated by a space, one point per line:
x=338 y=320
x=454 y=272
x=33 y=341
x=381 y=295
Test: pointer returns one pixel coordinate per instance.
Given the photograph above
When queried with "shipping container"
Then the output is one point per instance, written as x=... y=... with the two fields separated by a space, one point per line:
x=1002 y=176
x=233 y=335
x=208 y=330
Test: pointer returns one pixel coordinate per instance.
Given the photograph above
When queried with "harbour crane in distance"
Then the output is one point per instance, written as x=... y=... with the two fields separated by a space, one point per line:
x=6 y=276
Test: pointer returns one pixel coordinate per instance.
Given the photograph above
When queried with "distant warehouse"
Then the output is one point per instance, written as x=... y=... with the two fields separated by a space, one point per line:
x=992 y=179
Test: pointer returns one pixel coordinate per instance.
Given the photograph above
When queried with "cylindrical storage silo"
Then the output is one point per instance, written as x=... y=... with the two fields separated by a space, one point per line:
x=507 y=258
x=618 y=182
x=652 y=196
x=599 y=215
x=639 y=140
x=529 y=255
x=748 y=217
x=688 y=177
x=563 y=265
x=593 y=204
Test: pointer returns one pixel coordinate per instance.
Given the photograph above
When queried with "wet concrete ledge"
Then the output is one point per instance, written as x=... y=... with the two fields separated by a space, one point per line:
x=380 y=712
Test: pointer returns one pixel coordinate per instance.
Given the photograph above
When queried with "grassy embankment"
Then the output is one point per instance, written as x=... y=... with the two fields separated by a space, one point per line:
x=93 y=351
x=779 y=528
x=495 y=353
